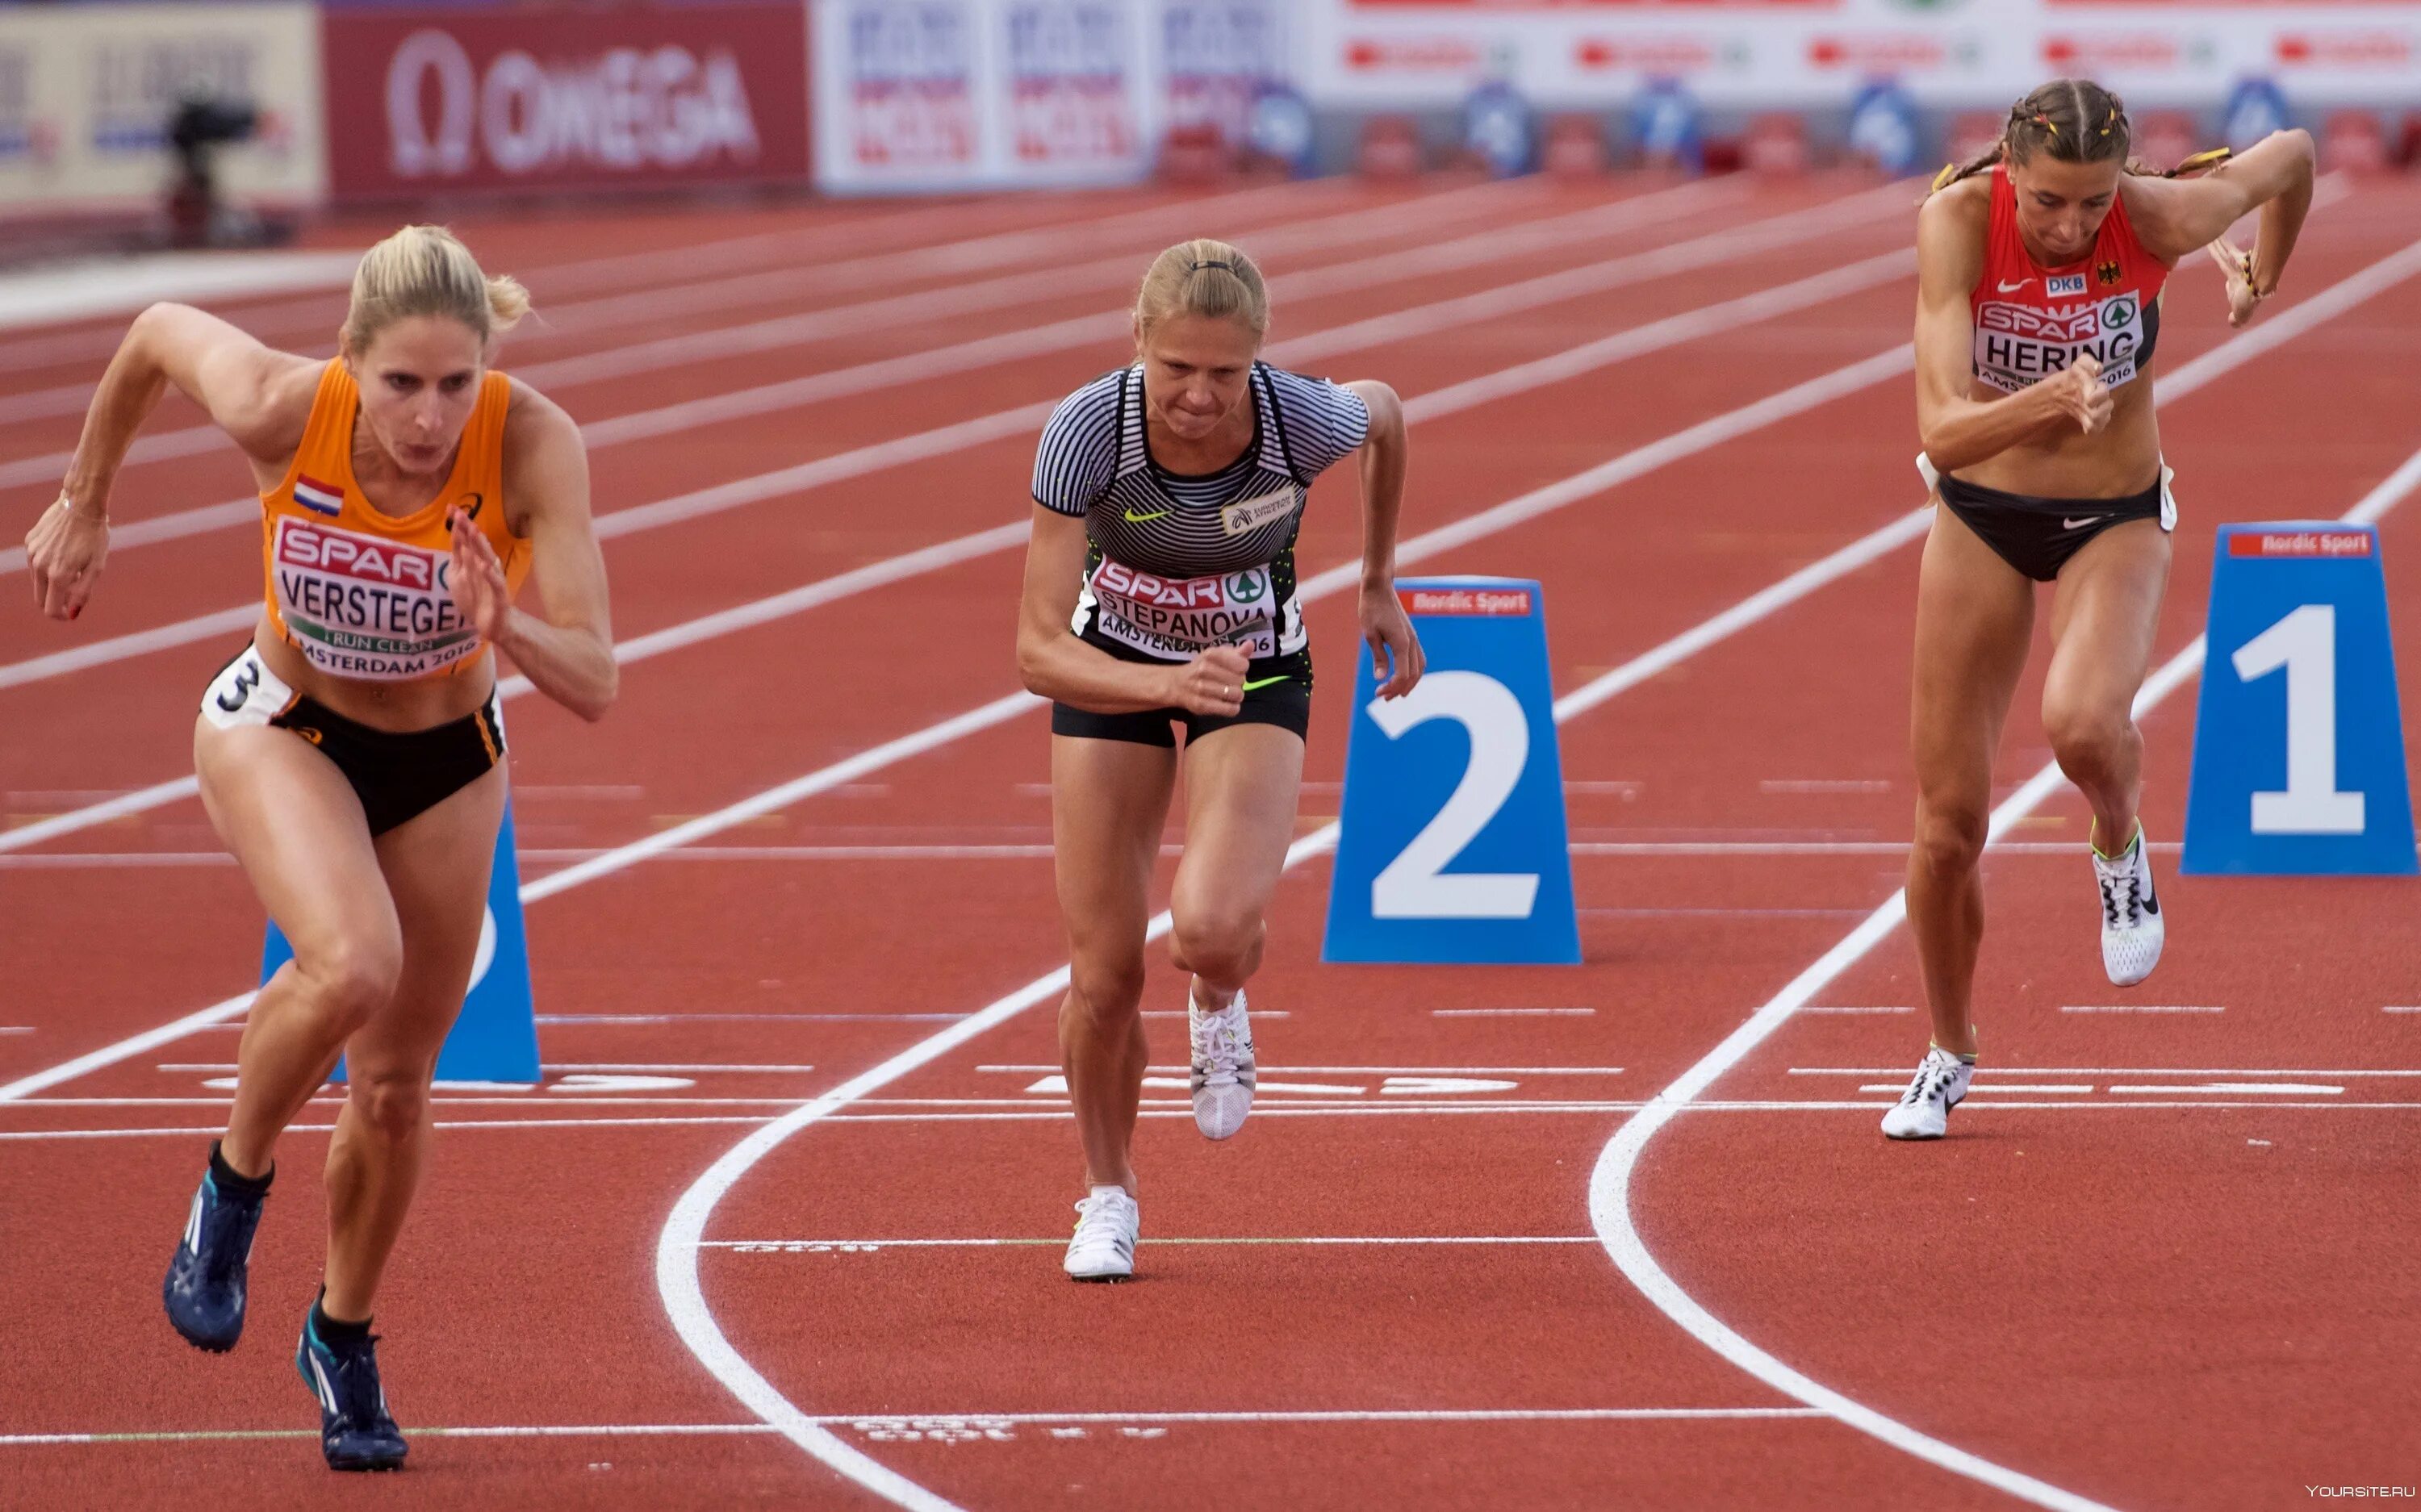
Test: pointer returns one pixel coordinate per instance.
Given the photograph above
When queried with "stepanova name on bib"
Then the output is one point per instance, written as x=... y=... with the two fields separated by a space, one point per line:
x=1178 y=617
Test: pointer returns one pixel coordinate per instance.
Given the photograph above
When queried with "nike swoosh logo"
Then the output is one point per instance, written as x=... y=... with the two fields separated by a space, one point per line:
x=2079 y=524
x=1266 y=681
x=2011 y=289
x=1134 y=518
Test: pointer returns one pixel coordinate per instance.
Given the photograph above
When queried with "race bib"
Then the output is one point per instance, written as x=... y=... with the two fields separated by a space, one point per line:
x=2017 y=345
x=358 y=606
x=1176 y=619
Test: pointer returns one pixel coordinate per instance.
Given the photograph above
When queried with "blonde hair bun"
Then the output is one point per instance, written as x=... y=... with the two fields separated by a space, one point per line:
x=426 y=269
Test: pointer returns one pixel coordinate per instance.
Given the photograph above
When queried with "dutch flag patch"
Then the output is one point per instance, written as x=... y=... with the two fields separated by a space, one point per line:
x=321 y=498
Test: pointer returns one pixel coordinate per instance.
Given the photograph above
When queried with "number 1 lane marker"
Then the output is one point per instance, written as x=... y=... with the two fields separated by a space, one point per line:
x=1609 y=1183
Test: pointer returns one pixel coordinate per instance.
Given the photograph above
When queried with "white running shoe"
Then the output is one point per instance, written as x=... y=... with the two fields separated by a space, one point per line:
x=1924 y=1109
x=2131 y=928
x=1223 y=1067
x=1103 y=1248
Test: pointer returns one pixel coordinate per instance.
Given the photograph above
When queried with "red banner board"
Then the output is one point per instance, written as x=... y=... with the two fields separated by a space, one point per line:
x=443 y=101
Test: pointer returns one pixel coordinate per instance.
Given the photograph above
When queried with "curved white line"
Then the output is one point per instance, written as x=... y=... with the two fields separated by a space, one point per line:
x=677 y=1247
x=1610 y=1181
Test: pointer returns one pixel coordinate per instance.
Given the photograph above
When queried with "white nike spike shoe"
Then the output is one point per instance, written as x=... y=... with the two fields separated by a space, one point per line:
x=1221 y=1046
x=2131 y=928
x=1923 y=1111
x=1103 y=1248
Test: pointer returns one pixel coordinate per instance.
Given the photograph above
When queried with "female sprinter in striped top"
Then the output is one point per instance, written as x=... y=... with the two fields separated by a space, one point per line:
x=1161 y=590
x=351 y=753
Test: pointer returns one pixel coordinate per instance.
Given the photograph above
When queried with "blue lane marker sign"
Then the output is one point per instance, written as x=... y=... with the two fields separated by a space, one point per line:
x=2299 y=741
x=496 y=1037
x=1451 y=837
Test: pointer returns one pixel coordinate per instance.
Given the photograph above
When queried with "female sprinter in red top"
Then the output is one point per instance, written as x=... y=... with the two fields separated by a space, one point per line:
x=1160 y=590
x=2038 y=310
x=351 y=754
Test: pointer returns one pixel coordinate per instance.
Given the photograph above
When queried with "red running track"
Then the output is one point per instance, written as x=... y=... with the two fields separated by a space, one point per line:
x=2143 y=1299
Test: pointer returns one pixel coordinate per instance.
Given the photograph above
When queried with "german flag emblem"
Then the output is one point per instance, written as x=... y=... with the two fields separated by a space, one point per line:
x=2108 y=272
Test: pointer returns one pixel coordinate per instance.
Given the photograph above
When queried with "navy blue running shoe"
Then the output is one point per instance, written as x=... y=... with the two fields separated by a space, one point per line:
x=355 y=1433
x=204 y=1291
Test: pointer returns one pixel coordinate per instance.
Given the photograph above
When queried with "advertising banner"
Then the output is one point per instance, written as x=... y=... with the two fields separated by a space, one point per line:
x=950 y=94
x=435 y=101
x=86 y=93
x=967 y=94
x=1747 y=54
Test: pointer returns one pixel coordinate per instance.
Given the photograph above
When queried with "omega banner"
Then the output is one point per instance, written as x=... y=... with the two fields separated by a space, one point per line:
x=430 y=101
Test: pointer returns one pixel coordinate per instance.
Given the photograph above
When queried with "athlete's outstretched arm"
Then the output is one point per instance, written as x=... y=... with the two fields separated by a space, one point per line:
x=566 y=650
x=1385 y=628
x=2175 y=216
x=1051 y=661
x=1957 y=430
x=261 y=398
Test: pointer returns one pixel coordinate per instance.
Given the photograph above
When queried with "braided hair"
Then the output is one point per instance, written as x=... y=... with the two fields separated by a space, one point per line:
x=2073 y=121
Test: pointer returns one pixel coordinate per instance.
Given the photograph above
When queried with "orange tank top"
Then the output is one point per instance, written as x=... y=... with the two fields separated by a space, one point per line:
x=365 y=594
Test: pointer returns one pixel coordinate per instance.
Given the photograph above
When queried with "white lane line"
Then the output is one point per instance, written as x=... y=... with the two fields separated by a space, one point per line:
x=1179 y=1110
x=1704 y=436
x=651 y=1066
x=1859 y=1009
x=2236 y=1071
x=564 y=855
x=1981 y=1085
x=1048 y=273
x=2400 y=1007
x=1511 y=1013
x=951 y=1423
x=1643 y=211
x=677 y=1273
x=945 y=439
x=2141 y=1007
x=1610 y=1181
x=627 y=1020
x=788 y=247
x=212 y=1067
x=1672 y=331
x=797 y=1246
x=1369 y=1071
x=1401 y=325
x=2266 y=1089
x=93 y=287
x=1057 y=1084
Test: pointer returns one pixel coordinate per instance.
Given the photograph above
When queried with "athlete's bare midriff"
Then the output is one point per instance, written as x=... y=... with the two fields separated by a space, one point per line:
x=2120 y=459
x=399 y=707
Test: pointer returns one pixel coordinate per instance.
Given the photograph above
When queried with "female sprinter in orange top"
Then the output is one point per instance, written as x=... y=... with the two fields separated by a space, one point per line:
x=351 y=756
x=1160 y=589
x=2039 y=308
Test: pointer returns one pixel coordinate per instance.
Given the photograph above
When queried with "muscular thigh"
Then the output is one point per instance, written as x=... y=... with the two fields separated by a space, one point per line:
x=1109 y=802
x=436 y=866
x=1242 y=784
x=1975 y=617
x=294 y=825
x=2106 y=610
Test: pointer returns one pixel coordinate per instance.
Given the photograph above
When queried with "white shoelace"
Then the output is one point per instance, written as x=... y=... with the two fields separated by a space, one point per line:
x=2122 y=898
x=1221 y=1042
x=1100 y=1219
x=1931 y=1083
